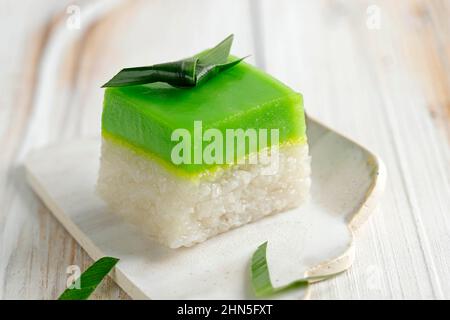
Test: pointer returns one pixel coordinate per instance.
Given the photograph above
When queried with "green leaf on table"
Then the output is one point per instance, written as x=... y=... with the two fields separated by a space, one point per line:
x=185 y=73
x=90 y=279
x=260 y=277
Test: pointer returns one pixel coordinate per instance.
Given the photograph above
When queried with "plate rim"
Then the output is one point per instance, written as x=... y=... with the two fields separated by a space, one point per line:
x=359 y=217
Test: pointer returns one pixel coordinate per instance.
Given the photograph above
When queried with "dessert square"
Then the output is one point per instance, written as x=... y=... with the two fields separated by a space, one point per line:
x=188 y=164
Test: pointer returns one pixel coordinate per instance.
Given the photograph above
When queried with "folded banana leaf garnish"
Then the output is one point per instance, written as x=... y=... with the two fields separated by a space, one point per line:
x=184 y=73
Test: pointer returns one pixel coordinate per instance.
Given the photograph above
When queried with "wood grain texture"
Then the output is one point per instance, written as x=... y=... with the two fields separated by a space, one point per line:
x=389 y=88
x=362 y=82
x=35 y=249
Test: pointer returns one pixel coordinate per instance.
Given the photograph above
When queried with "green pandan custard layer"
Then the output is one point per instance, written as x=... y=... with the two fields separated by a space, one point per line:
x=145 y=116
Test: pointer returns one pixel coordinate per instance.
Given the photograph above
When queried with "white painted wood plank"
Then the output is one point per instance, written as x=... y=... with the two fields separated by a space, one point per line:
x=34 y=248
x=359 y=81
x=32 y=265
x=373 y=85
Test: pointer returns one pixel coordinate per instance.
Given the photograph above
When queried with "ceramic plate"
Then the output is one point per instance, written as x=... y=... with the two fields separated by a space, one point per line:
x=315 y=239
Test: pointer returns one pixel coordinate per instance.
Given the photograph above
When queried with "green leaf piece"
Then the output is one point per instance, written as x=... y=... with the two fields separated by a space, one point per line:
x=90 y=279
x=217 y=55
x=205 y=73
x=261 y=283
x=184 y=73
x=179 y=74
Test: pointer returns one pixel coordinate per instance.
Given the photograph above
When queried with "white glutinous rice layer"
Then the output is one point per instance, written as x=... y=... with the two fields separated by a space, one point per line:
x=177 y=211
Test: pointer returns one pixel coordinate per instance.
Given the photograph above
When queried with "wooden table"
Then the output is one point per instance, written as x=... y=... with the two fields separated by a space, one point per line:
x=378 y=71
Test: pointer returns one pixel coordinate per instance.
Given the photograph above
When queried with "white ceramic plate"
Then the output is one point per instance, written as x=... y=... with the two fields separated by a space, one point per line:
x=315 y=239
